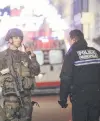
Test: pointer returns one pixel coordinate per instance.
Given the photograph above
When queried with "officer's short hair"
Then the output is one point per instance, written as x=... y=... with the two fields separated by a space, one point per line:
x=28 y=44
x=76 y=34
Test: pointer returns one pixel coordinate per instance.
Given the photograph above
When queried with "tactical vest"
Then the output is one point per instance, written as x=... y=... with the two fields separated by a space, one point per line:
x=21 y=69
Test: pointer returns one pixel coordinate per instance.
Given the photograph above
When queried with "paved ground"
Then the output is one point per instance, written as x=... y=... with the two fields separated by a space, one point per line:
x=50 y=110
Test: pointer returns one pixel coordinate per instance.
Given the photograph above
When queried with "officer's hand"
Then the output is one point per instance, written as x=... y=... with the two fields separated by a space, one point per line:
x=63 y=104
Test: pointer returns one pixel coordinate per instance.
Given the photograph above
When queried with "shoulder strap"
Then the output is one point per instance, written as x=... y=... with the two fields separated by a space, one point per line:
x=9 y=60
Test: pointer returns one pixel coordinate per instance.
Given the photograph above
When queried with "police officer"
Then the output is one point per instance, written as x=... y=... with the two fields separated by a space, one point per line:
x=80 y=79
x=16 y=63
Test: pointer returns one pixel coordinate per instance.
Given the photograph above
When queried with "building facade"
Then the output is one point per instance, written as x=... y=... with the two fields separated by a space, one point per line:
x=86 y=17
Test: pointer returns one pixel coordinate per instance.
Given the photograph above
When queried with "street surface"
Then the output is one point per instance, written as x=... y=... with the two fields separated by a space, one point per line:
x=50 y=110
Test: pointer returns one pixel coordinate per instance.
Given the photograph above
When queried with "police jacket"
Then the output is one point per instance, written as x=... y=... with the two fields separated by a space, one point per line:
x=81 y=69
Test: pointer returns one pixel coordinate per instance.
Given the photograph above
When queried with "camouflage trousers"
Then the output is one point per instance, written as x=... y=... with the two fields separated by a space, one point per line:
x=13 y=110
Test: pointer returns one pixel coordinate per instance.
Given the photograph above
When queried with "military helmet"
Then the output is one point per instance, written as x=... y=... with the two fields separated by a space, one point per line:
x=15 y=32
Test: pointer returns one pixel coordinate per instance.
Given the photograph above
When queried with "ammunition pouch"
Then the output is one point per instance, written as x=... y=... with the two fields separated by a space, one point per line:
x=8 y=86
x=25 y=71
x=11 y=106
x=28 y=83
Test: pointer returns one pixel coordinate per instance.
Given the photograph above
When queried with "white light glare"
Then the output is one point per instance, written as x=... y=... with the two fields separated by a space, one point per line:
x=38 y=7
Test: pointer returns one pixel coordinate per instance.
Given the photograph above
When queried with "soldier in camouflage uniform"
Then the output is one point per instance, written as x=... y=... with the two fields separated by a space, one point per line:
x=25 y=69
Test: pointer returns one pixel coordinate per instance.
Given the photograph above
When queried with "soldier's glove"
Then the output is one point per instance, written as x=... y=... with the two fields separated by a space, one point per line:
x=29 y=53
x=63 y=104
x=37 y=104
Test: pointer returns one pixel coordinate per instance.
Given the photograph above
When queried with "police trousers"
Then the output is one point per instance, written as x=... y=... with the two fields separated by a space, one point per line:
x=14 y=111
x=86 y=107
x=85 y=111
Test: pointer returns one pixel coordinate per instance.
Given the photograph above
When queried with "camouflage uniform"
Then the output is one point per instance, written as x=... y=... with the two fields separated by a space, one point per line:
x=26 y=69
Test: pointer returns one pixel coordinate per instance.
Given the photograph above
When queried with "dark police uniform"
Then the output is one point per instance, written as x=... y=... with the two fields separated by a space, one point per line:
x=80 y=78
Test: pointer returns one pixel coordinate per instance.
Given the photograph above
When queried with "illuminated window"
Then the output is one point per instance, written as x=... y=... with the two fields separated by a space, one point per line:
x=40 y=57
x=55 y=57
